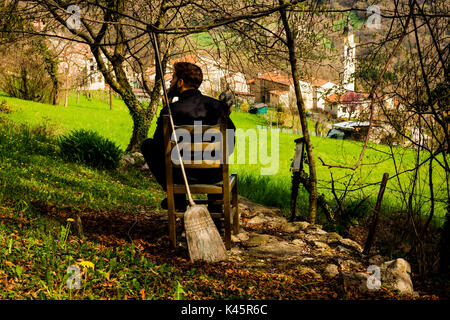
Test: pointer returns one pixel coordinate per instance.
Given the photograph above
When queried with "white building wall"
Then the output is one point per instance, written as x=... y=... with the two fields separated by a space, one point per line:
x=236 y=82
x=324 y=91
x=307 y=94
x=349 y=61
x=95 y=77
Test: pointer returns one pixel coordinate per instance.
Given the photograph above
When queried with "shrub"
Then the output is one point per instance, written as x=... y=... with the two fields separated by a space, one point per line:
x=4 y=108
x=245 y=106
x=90 y=148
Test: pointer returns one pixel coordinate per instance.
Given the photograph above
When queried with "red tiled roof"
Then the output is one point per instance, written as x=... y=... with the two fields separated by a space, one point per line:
x=316 y=82
x=347 y=97
x=333 y=98
x=352 y=96
x=277 y=78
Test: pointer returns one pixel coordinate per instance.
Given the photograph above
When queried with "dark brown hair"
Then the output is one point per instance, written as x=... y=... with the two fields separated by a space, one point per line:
x=191 y=74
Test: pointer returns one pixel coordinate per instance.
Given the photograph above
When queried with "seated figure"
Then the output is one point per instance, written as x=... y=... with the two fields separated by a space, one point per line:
x=191 y=106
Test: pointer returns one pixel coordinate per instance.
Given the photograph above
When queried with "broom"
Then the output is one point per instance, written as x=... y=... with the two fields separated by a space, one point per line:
x=203 y=239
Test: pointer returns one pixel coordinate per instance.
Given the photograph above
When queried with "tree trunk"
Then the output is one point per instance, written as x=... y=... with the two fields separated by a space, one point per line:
x=444 y=254
x=302 y=113
x=141 y=125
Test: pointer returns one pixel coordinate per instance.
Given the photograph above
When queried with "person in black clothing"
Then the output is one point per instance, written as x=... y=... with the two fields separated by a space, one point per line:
x=191 y=106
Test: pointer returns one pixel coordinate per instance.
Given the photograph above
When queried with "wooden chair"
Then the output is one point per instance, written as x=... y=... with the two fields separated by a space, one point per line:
x=227 y=187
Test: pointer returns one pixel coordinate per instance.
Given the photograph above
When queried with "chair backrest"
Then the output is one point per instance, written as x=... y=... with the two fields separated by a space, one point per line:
x=202 y=147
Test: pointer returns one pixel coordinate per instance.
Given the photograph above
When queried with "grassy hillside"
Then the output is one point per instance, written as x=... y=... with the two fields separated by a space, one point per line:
x=270 y=189
x=124 y=252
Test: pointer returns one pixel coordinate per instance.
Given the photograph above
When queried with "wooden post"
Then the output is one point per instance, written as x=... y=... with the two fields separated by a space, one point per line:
x=66 y=98
x=376 y=214
x=297 y=168
x=110 y=98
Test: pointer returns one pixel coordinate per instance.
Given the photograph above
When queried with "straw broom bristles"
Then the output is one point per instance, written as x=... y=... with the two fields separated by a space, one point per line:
x=204 y=241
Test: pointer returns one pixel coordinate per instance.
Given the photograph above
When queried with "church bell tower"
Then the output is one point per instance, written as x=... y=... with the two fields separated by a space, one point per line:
x=349 y=57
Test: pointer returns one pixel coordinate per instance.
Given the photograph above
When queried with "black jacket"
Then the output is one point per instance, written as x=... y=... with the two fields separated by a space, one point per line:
x=193 y=106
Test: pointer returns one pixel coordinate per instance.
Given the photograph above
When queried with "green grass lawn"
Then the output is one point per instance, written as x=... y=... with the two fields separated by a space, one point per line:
x=273 y=190
x=124 y=252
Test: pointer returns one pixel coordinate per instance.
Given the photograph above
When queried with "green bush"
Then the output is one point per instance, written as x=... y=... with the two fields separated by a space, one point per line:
x=91 y=148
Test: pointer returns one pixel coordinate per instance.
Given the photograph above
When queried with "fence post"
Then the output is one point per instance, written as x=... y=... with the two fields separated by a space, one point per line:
x=297 y=167
x=376 y=214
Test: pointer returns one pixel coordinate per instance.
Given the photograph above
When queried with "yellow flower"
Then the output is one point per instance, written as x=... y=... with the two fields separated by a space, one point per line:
x=70 y=220
x=87 y=264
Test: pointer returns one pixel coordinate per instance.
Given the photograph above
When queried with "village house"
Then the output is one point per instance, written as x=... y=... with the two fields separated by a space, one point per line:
x=315 y=91
x=277 y=89
x=269 y=87
x=237 y=83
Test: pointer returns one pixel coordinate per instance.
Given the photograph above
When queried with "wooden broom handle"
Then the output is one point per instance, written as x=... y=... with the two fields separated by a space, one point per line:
x=158 y=61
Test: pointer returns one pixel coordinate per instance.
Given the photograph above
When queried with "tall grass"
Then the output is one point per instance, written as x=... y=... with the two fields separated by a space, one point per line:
x=32 y=171
x=116 y=125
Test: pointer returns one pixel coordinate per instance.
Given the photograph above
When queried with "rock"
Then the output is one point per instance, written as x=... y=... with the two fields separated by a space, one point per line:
x=138 y=155
x=256 y=239
x=234 y=251
x=396 y=274
x=315 y=231
x=281 y=249
x=342 y=249
x=303 y=225
x=127 y=159
x=300 y=235
x=297 y=242
x=376 y=260
x=242 y=236
x=320 y=245
x=315 y=237
x=291 y=228
x=331 y=271
x=307 y=270
x=280 y=220
x=275 y=225
x=349 y=264
x=356 y=280
x=145 y=167
x=256 y=220
x=234 y=238
x=333 y=237
x=351 y=244
x=315 y=226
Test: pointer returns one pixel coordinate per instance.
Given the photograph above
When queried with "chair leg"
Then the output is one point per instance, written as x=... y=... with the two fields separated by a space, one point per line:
x=171 y=219
x=227 y=219
x=236 y=210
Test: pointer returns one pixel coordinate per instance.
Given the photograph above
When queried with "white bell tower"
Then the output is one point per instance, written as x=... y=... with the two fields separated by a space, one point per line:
x=349 y=57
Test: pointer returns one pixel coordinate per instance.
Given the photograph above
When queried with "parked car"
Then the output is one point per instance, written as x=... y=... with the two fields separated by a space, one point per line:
x=355 y=130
